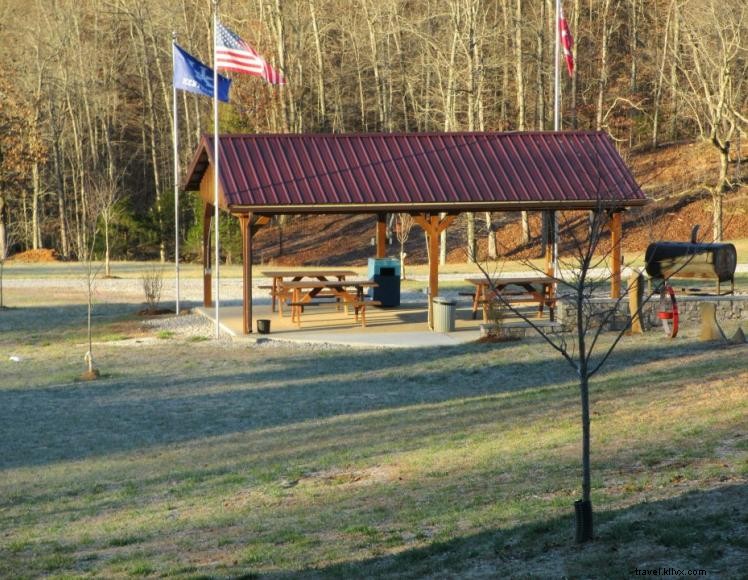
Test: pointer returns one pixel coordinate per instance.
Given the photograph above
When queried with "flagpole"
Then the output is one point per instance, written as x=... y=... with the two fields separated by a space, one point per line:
x=556 y=122
x=215 y=170
x=557 y=72
x=176 y=179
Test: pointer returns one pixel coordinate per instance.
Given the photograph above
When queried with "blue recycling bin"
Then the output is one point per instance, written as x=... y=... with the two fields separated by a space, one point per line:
x=386 y=273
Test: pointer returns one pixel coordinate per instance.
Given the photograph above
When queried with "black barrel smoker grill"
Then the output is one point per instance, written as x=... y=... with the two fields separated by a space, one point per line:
x=709 y=261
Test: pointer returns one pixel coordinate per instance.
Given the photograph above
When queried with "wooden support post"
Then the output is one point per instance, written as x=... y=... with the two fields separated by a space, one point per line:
x=548 y=237
x=615 y=254
x=710 y=329
x=434 y=243
x=433 y=225
x=381 y=235
x=207 y=277
x=551 y=251
x=249 y=226
x=244 y=224
x=636 y=297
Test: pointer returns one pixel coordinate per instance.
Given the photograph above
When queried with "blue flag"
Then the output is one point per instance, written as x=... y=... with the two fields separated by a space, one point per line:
x=193 y=76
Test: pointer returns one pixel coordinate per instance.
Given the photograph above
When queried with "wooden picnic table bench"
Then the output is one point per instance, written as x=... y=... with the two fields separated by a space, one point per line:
x=278 y=294
x=516 y=289
x=348 y=292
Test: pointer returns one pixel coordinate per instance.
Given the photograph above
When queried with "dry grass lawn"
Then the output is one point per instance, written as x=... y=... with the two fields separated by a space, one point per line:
x=196 y=459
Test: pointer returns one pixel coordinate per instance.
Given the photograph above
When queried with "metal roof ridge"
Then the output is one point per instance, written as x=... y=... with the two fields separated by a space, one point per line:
x=404 y=134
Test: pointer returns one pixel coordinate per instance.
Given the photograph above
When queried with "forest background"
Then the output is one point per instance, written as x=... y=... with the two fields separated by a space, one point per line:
x=86 y=115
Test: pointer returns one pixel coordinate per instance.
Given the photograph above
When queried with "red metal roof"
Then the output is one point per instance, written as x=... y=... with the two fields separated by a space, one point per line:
x=445 y=171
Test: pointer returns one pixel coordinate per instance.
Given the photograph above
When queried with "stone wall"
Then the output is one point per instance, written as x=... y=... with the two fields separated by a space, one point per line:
x=729 y=308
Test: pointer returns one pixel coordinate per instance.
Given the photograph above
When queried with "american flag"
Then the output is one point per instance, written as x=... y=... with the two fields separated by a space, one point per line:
x=232 y=53
x=567 y=41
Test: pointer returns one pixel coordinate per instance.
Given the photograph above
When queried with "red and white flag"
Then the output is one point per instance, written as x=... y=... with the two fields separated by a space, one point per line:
x=567 y=40
x=232 y=53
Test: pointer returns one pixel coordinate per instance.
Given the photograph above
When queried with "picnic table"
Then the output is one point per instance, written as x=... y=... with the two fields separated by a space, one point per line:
x=534 y=289
x=349 y=292
x=279 y=293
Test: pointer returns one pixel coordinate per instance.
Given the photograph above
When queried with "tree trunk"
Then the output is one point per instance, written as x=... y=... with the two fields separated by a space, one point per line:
x=660 y=81
x=3 y=230
x=722 y=185
x=602 y=82
x=373 y=45
x=540 y=70
x=674 y=74
x=360 y=84
x=153 y=147
x=584 y=529
x=584 y=391
x=574 y=74
x=634 y=44
x=724 y=163
x=322 y=105
x=491 y=241
x=156 y=177
x=525 y=218
x=61 y=206
x=633 y=51
x=504 y=113
x=450 y=120
x=35 y=227
x=471 y=247
x=738 y=159
x=107 y=265
x=518 y=67
x=583 y=508
x=717 y=217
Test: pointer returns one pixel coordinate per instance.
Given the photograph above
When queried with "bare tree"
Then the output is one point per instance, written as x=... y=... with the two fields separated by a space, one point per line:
x=519 y=68
x=607 y=22
x=715 y=68
x=107 y=197
x=91 y=272
x=374 y=65
x=584 y=275
x=7 y=241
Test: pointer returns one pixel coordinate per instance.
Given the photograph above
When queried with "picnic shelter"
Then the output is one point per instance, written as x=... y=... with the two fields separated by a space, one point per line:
x=432 y=176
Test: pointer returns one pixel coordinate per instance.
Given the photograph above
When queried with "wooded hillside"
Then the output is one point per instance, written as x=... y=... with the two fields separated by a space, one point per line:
x=86 y=95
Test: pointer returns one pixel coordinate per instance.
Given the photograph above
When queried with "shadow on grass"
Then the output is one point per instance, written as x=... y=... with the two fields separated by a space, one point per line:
x=140 y=407
x=30 y=322
x=695 y=531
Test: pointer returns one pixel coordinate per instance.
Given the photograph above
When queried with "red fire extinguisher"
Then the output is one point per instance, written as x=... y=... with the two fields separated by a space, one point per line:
x=668 y=311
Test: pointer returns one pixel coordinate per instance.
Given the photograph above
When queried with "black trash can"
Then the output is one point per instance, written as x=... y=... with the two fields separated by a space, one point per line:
x=386 y=273
x=263 y=326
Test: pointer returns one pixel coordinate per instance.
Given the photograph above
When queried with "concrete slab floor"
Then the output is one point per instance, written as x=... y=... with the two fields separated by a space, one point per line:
x=400 y=327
